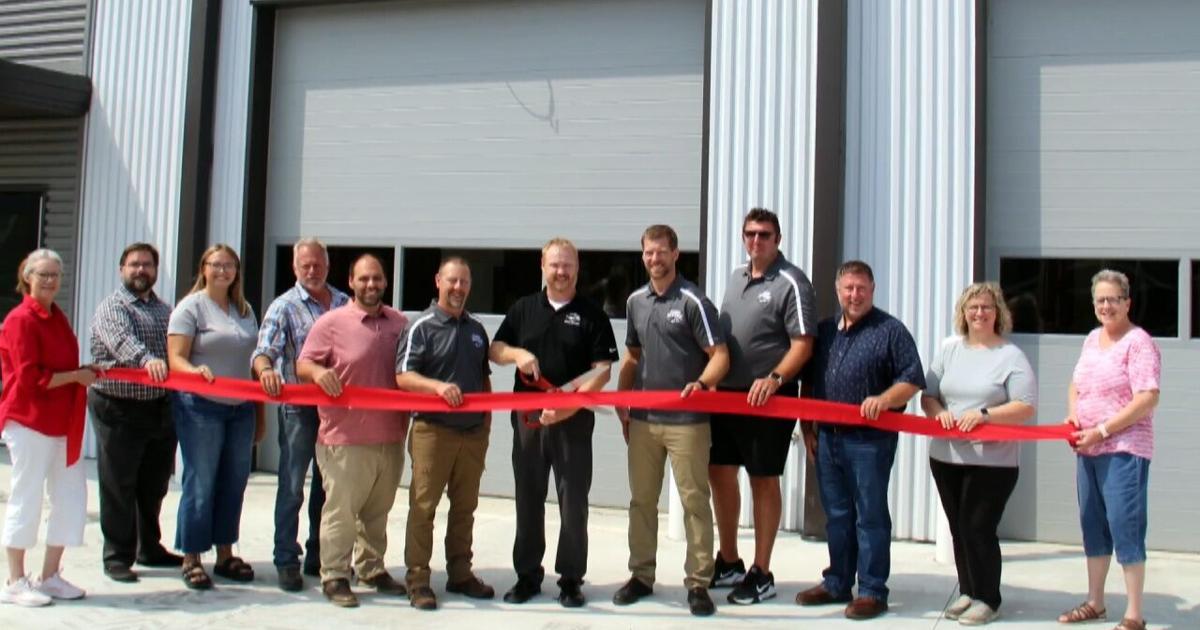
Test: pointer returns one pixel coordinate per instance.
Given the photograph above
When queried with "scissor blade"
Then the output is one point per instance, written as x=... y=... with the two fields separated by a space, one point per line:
x=577 y=382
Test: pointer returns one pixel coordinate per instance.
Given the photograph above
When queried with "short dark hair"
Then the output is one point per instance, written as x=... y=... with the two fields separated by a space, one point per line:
x=140 y=247
x=856 y=267
x=453 y=258
x=658 y=232
x=360 y=258
x=762 y=215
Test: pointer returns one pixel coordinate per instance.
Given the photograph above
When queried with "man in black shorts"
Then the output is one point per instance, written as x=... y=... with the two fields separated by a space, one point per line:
x=768 y=318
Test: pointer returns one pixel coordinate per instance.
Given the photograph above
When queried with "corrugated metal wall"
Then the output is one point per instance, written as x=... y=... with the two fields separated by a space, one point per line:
x=133 y=145
x=230 y=124
x=43 y=156
x=761 y=136
x=46 y=33
x=910 y=163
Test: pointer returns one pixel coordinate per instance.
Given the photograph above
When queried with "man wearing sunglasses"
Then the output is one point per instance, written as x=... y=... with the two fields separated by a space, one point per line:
x=768 y=318
x=554 y=336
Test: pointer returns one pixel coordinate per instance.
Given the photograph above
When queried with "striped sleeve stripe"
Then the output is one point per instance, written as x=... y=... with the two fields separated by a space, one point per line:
x=703 y=315
x=408 y=346
x=799 y=301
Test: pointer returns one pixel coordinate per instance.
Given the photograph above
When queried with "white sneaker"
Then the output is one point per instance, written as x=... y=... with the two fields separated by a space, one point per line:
x=978 y=614
x=959 y=607
x=22 y=593
x=58 y=588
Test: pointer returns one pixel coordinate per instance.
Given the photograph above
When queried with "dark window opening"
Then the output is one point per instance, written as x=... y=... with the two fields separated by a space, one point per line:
x=1053 y=295
x=340 y=259
x=501 y=276
x=20 y=233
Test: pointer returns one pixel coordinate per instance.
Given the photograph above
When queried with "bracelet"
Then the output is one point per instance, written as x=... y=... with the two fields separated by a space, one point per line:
x=1103 y=431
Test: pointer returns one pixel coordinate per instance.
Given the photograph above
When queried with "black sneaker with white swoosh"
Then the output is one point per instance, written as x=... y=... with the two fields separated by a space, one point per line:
x=754 y=588
x=727 y=573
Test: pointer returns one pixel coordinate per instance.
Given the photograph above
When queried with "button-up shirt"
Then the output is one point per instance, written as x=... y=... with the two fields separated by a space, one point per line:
x=451 y=349
x=287 y=323
x=35 y=344
x=129 y=331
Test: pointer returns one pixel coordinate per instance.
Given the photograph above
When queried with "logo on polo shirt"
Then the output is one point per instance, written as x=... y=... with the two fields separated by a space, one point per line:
x=572 y=319
x=764 y=297
x=477 y=340
x=674 y=316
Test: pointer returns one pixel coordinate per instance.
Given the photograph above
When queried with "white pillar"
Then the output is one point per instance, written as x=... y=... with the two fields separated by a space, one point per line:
x=944 y=550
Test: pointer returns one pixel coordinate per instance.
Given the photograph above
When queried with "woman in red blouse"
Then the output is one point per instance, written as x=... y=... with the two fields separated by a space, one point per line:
x=41 y=416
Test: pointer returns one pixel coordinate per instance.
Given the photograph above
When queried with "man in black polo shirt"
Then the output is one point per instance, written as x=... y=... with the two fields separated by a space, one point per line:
x=445 y=353
x=557 y=335
x=865 y=357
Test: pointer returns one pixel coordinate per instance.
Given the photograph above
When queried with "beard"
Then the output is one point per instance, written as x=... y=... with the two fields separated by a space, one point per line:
x=139 y=284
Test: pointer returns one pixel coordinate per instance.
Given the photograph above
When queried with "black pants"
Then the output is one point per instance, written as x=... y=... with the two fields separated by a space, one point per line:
x=137 y=456
x=565 y=448
x=974 y=498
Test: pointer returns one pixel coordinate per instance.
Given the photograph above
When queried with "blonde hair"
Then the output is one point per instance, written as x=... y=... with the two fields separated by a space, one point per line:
x=561 y=243
x=235 y=289
x=25 y=269
x=1003 y=324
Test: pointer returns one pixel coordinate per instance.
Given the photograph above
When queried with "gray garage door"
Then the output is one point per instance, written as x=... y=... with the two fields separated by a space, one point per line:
x=489 y=125
x=1093 y=150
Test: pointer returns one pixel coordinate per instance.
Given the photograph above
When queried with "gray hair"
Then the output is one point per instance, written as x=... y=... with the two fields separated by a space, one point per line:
x=1112 y=277
x=35 y=256
x=310 y=241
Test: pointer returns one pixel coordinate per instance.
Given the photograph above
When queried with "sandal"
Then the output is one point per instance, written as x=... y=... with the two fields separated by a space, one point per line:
x=1080 y=613
x=1131 y=624
x=195 y=577
x=234 y=568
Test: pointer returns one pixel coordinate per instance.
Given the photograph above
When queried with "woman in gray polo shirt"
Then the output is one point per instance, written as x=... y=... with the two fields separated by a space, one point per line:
x=977 y=376
x=212 y=332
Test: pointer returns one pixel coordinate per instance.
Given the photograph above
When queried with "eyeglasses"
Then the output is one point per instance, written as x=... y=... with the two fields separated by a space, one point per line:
x=46 y=276
x=221 y=266
x=1106 y=300
x=750 y=235
x=140 y=265
x=980 y=308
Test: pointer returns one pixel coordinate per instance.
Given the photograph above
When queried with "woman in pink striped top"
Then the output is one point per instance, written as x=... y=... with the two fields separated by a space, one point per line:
x=1111 y=402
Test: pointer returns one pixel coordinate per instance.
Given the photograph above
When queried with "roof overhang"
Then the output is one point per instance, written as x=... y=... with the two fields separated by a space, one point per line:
x=32 y=92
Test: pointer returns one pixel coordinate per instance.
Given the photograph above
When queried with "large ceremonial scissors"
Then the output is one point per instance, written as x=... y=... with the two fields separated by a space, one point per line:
x=530 y=418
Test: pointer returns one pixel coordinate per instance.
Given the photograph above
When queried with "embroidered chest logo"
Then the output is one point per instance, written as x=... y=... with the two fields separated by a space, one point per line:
x=572 y=319
x=477 y=340
x=764 y=297
x=674 y=316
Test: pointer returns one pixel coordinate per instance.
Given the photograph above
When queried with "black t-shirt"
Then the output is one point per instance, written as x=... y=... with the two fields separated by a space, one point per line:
x=566 y=342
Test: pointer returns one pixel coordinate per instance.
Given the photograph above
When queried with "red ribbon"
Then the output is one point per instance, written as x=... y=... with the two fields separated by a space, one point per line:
x=783 y=407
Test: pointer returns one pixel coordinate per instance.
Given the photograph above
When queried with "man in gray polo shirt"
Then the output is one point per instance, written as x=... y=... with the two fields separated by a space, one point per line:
x=673 y=342
x=445 y=353
x=767 y=316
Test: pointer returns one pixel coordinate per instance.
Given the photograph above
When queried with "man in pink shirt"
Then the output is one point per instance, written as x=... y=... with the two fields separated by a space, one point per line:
x=360 y=451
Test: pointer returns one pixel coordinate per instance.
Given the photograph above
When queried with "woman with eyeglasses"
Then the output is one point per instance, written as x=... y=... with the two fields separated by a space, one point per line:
x=41 y=417
x=212 y=332
x=977 y=376
x=1111 y=402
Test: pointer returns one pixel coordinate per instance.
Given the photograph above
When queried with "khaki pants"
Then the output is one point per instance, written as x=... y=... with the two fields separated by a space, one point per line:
x=451 y=461
x=360 y=484
x=687 y=445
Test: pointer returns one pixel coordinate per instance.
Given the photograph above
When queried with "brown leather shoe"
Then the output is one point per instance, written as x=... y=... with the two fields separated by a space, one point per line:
x=422 y=598
x=818 y=596
x=385 y=584
x=472 y=587
x=339 y=594
x=865 y=608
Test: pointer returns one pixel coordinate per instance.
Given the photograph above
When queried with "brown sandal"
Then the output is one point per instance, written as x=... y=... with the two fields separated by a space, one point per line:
x=1080 y=613
x=195 y=577
x=1131 y=624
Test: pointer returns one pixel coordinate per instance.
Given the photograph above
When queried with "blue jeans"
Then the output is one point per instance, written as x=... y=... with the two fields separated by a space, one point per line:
x=297 y=444
x=216 y=441
x=1113 y=489
x=854 y=467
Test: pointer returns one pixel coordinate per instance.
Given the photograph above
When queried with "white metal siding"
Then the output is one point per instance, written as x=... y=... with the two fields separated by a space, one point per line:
x=487 y=124
x=910 y=161
x=43 y=155
x=1093 y=149
x=47 y=33
x=133 y=146
x=761 y=137
x=230 y=124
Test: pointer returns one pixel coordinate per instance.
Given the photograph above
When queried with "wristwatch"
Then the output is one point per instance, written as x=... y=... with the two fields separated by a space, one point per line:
x=776 y=376
x=983 y=411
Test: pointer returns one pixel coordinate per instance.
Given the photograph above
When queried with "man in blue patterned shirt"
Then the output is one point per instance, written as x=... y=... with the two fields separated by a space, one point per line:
x=865 y=357
x=285 y=325
x=133 y=424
